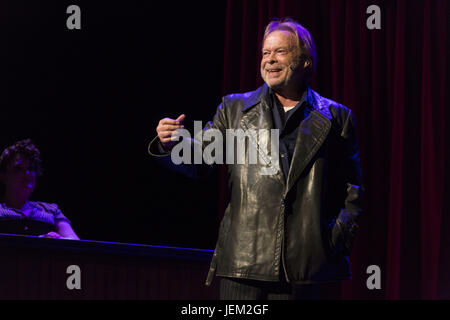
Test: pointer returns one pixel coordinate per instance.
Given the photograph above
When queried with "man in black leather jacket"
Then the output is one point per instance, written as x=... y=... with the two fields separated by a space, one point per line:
x=286 y=232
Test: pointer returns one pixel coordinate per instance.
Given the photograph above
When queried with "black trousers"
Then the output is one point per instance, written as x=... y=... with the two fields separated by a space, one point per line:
x=245 y=289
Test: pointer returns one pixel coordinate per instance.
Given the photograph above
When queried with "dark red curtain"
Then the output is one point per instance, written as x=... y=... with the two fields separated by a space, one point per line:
x=395 y=79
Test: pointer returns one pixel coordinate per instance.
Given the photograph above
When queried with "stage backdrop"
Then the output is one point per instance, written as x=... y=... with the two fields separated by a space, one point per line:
x=395 y=79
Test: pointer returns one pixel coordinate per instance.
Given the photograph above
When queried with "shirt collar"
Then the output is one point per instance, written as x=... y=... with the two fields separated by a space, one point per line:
x=302 y=100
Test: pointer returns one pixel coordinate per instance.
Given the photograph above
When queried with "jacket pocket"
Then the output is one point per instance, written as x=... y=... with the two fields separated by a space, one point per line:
x=342 y=234
x=336 y=238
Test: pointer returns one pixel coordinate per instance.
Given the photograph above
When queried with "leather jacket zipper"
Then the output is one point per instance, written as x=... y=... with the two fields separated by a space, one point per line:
x=282 y=259
x=283 y=247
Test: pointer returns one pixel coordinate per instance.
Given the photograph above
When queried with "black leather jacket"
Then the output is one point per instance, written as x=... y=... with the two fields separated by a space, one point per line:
x=302 y=226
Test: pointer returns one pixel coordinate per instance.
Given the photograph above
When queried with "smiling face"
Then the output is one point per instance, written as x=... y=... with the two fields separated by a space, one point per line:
x=20 y=177
x=280 y=67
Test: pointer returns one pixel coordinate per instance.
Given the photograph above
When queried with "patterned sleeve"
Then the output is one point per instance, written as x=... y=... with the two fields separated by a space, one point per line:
x=59 y=216
x=55 y=211
x=9 y=213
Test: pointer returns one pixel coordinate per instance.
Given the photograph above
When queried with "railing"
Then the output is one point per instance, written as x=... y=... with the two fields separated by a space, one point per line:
x=42 y=268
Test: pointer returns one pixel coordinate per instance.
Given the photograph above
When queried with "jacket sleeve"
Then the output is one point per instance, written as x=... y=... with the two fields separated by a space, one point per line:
x=191 y=167
x=345 y=226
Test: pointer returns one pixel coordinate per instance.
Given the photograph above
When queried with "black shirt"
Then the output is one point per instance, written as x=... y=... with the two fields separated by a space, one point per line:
x=288 y=123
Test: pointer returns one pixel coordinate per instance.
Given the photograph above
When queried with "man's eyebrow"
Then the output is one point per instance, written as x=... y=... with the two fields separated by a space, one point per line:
x=282 y=47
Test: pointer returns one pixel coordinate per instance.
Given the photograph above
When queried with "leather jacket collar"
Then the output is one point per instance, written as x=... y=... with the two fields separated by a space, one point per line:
x=314 y=101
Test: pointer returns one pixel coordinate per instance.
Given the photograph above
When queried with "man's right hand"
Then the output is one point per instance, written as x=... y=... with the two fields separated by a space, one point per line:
x=166 y=128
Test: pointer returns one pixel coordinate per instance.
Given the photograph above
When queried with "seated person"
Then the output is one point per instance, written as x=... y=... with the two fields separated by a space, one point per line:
x=19 y=166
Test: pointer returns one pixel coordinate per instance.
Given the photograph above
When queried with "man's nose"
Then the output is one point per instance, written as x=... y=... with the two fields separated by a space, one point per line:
x=271 y=58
